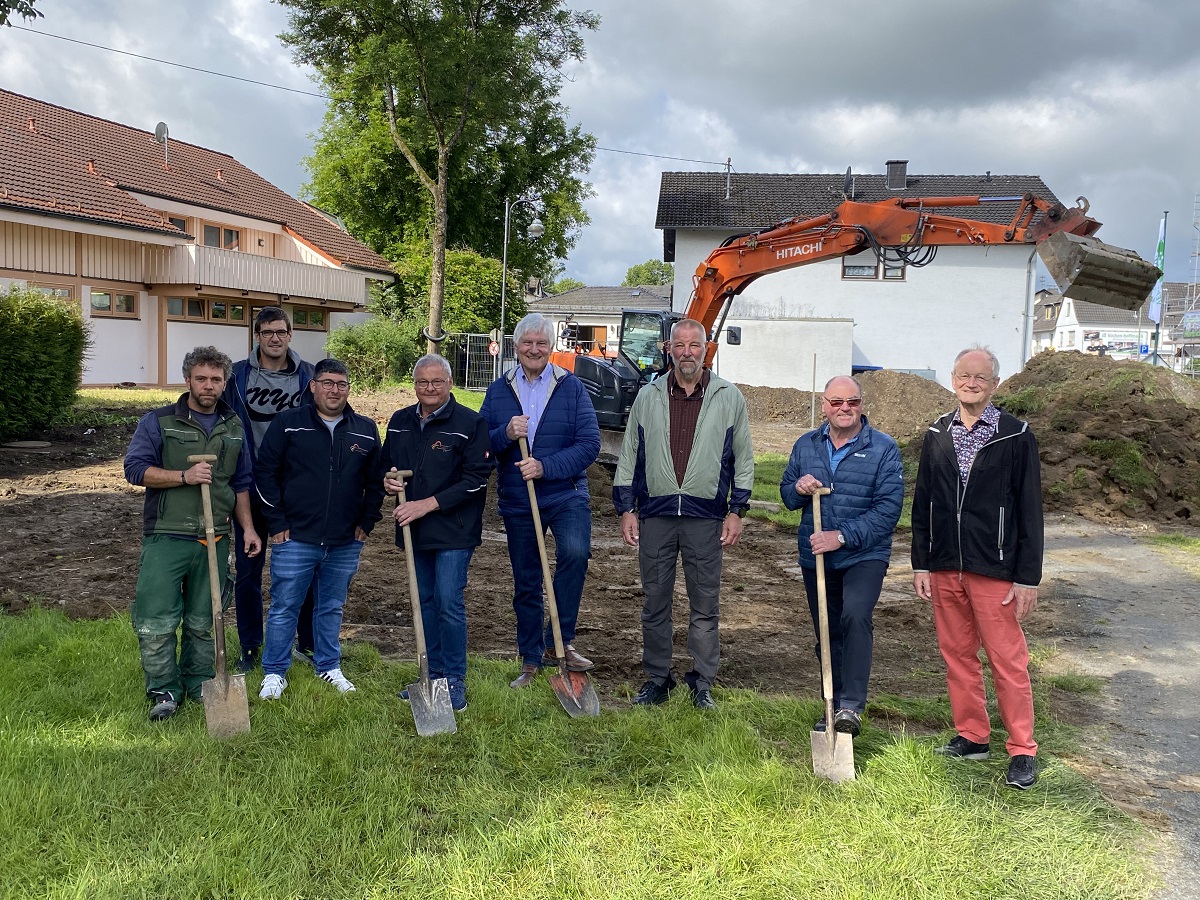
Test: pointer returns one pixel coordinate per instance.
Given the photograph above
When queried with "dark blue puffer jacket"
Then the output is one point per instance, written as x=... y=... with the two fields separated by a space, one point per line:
x=868 y=492
x=567 y=442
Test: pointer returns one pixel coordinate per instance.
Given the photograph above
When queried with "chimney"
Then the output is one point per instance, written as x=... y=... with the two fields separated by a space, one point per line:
x=31 y=125
x=220 y=175
x=91 y=167
x=897 y=174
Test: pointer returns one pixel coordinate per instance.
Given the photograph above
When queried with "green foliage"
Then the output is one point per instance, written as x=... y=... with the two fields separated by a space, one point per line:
x=42 y=343
x=23 y=8
x=562 y=285
x=377 y=350
x=651 y=272
x=1024 y=402
x=1075 y=682
x=1125 y=465
x=1176 y=541
x=336 y=796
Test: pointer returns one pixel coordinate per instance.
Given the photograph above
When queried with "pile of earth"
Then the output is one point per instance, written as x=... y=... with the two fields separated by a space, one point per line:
x=1117 y=438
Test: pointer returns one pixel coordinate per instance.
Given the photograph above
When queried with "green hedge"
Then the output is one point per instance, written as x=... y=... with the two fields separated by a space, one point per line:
x=42 y=342
x=376 y=350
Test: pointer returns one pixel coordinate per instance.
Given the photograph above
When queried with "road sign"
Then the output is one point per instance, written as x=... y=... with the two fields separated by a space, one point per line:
x=494 y=348
x=494 y=336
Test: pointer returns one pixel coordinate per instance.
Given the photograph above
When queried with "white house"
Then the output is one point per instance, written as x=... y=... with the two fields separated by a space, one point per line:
x=903 y=318
x=164 y=246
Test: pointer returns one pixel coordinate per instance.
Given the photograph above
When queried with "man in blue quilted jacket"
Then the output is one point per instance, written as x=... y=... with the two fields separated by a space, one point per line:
x=862 y=468
x=551 y=408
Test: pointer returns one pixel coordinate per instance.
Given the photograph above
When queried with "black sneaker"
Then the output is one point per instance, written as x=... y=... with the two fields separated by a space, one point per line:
x=164 y=707
x=703 y=699
x=847 y=721
x=653 y=693
x=1022 y=772
x=247 y=661
x=960 y=748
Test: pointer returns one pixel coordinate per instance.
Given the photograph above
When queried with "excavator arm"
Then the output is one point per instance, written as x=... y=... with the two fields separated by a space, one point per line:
x=906 y=231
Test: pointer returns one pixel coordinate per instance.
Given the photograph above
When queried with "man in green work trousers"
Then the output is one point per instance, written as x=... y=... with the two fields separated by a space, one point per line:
x=172 y=587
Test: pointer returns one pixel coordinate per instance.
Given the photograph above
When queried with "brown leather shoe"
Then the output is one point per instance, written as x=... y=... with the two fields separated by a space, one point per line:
x=576 y=661
x=528 y=675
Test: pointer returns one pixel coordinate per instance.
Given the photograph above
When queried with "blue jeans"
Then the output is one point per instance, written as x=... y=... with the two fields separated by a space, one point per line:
x=295 y=565
x=441 y=580
x=571 y=524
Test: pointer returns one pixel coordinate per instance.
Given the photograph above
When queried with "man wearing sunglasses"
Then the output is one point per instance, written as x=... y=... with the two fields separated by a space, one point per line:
x=271 y=379
x=862 y=468
x=977 y=538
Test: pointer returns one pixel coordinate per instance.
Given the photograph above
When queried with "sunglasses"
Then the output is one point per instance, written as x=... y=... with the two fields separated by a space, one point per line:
x=849 y=402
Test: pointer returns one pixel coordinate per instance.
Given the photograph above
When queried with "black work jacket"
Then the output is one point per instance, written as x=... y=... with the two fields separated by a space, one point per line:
x=317 y=485
x=991 y=526
x=451 y=460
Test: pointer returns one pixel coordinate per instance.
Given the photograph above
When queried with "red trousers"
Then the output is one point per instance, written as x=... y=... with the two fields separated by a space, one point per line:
x=968 y=615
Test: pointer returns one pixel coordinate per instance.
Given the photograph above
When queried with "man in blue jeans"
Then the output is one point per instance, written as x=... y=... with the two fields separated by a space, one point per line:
x=549 y=407
x=445 y=445
x=317 y=476
x=862 y=467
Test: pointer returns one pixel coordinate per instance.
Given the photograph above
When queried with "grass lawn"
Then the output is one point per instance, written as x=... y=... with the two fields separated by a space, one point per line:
x=334 y=796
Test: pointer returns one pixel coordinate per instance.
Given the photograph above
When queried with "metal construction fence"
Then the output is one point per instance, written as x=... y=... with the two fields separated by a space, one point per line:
x=474 y=367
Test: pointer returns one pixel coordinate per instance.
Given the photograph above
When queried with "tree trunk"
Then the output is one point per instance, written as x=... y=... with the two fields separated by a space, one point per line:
x=437 y=275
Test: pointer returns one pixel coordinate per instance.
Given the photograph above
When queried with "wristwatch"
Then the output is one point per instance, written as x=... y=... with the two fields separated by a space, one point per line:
x=841 y=539
x=741 y=511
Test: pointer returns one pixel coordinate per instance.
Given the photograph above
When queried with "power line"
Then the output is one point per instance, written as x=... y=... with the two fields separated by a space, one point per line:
x=280 y=87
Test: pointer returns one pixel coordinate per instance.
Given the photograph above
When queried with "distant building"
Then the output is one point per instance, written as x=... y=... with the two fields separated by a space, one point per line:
x=1062 y=323
x=165 y=247
x=589 y=316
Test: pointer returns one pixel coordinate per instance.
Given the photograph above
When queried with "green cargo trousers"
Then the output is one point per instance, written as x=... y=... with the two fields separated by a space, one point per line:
x=172 y=588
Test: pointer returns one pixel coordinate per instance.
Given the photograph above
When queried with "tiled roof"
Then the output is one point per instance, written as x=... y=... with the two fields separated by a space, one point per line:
x=756 y=201
x=70 y=164
x=1095 y=314
x=605 y=299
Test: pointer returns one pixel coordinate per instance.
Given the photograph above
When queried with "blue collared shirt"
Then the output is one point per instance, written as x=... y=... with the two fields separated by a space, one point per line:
x=837 y=454
x=533 y=395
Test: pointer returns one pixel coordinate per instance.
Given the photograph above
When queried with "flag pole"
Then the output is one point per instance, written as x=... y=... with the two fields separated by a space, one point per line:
x=1156 y=312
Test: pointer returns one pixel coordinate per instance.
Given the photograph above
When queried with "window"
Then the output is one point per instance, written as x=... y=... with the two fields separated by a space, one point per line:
x=225 y=238
x=108 y=303
x=58 y=291
x=855 y=268
x=185 y=308
x=858 y=270
x=212 y=236
x=1070 y=336
x=308 y=318
x=181 y=224
x=893 y=272
x=222 y=312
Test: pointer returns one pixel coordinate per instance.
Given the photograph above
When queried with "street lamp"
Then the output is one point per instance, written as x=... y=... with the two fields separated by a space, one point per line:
x=536 y=230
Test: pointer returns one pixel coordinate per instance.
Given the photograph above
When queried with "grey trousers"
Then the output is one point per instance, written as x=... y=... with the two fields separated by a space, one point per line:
x=662 y=540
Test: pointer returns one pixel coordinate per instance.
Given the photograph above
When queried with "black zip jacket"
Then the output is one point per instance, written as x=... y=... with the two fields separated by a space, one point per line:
x=992 y=526
x=451 y=459
x=317 y=485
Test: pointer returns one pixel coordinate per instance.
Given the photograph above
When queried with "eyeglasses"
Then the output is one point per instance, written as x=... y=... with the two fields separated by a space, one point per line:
x=434 y=383
x=333 y=385
x=849 y=402
x=280 y=333
x=965 y=378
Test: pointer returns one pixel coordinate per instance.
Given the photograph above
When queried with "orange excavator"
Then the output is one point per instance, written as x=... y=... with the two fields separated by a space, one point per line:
x=897 y=232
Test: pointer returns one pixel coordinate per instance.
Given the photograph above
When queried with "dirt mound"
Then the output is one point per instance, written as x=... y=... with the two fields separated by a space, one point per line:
x=1117 y=438
x=897 y=403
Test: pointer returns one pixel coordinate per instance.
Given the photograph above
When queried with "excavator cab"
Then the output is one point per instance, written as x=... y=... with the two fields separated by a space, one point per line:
x=644 y=332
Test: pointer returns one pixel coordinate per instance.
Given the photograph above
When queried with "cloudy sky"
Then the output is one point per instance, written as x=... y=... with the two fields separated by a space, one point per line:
x=1098 y=97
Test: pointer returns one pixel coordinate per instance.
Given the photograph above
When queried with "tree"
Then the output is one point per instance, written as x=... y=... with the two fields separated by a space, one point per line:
x=651 y=272
x=455 y=79
x=563 y=285
x=22 y=8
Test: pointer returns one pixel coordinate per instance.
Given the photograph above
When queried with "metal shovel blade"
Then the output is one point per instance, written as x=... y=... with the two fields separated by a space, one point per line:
x=226 y=707
x=833 y=757
x=1087 y=269
x=431 y=707
x=575 y=692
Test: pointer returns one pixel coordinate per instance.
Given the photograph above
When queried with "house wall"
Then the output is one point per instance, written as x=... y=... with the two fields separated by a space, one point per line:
x=122 y=349
x=111 y=259
x=28 y=248
x=784 y=352
x=968 y=295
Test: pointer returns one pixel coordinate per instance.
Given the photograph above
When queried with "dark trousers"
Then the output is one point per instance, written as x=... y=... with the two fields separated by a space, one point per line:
x=850 y=595
x=247 y=590
x=663 y=540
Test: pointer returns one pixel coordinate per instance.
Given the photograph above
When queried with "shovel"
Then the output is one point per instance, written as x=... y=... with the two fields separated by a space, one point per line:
x=832 y=752
x=226 y=709
x=428 y=698
x=573 y=689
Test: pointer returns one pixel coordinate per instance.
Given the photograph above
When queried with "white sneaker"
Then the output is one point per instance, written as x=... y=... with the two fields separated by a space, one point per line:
x=338 y=680
x=272 y=687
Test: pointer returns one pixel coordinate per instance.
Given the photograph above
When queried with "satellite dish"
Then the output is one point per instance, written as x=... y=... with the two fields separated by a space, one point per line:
x=161 y=132
x=847 y=185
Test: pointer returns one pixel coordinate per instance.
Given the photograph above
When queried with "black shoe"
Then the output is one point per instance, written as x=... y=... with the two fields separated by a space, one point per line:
x=164 y=707
x=703 y=699
x=247 y=661
x=960 y=748
x=847 y=721
x=1022 y=772
x=653 y=693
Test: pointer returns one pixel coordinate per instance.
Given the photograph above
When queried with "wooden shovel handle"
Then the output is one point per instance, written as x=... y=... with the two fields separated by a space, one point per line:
x=214 y=589
x=823 y=624
x=559 y=653
x=414 y=593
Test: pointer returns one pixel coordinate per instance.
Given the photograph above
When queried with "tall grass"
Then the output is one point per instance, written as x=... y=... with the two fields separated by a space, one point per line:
x=334 y=796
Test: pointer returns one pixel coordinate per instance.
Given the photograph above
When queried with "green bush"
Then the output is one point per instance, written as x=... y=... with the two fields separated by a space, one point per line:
x=42 y=342
x=376 y=350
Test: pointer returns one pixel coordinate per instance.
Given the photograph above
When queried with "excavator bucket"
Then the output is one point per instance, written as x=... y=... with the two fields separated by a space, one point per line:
x=1087 y=269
